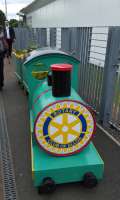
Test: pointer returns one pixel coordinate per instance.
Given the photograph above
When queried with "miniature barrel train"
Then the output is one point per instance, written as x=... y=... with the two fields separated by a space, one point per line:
x=61 y=124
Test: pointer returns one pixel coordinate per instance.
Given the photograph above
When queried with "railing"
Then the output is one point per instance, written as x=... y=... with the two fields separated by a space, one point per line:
x=91 y=72
x=115 y=116
x=89 y=44
x=26 y=37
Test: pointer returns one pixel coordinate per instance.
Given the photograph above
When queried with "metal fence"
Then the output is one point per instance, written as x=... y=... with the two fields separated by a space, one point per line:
x=92 y=69
x=26 y=38
x=115 y=115
x=98 y=50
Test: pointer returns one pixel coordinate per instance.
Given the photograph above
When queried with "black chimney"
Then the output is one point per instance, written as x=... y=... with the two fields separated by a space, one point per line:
x=61 y=80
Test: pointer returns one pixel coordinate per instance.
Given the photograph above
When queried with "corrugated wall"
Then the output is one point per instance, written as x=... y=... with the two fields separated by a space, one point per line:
x=76 y=13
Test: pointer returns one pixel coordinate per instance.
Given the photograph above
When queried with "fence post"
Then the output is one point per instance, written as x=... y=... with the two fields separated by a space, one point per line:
x=80 y=43
x=44 y=37
x=66 y=39
x=53 y=37
x=41 y=37
x=110 y=69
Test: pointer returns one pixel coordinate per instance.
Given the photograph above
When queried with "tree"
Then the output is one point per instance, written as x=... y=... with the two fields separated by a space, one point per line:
x=14 y=23
x=2 y=18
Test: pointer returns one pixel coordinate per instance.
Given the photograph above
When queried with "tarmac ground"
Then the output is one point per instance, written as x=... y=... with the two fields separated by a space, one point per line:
x=17 y=117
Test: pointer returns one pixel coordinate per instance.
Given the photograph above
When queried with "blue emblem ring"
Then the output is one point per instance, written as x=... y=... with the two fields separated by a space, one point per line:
x=56 y=113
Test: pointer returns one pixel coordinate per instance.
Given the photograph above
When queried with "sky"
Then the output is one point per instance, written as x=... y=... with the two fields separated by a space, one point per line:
x=13 y=7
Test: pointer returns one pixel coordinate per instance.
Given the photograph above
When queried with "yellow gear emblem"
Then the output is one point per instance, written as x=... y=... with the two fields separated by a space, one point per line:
x=64 y=128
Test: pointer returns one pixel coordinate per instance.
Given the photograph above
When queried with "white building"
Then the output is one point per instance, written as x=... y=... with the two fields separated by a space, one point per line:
x=69 y=13
x=76 y=13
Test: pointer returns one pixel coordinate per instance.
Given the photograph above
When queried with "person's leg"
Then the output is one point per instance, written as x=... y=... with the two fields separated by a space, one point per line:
x=8 y=53
x=1 y=72
x=9 y=42
x=10 y=48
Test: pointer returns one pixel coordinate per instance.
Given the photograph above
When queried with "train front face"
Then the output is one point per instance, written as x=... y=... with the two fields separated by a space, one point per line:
x=63 y=124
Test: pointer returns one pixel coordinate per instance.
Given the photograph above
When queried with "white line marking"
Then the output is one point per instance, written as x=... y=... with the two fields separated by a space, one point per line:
x=108 y=134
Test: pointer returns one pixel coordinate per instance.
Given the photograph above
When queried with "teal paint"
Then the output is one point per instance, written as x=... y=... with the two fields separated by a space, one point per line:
x=18 y=62
x=66 y=169
x=47 y=61
x=42 y=97
x=61 y=169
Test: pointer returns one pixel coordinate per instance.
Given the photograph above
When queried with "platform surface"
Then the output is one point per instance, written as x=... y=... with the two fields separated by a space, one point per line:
x=17 y=116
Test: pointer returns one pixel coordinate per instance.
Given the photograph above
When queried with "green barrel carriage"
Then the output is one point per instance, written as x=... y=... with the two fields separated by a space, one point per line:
x=61 y=125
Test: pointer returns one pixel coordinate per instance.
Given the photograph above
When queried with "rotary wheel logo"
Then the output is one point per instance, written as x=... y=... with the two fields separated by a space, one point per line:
x=64 y=128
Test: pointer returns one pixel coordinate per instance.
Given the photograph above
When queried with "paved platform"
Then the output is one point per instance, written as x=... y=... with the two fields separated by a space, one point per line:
x=1 y=183
x=17 y=116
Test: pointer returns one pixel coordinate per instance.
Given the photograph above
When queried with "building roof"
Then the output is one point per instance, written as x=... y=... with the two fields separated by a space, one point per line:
x=36 y=4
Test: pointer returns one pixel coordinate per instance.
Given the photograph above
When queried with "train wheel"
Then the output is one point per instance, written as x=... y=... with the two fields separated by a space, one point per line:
x=48 y=186
x=90 y=180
